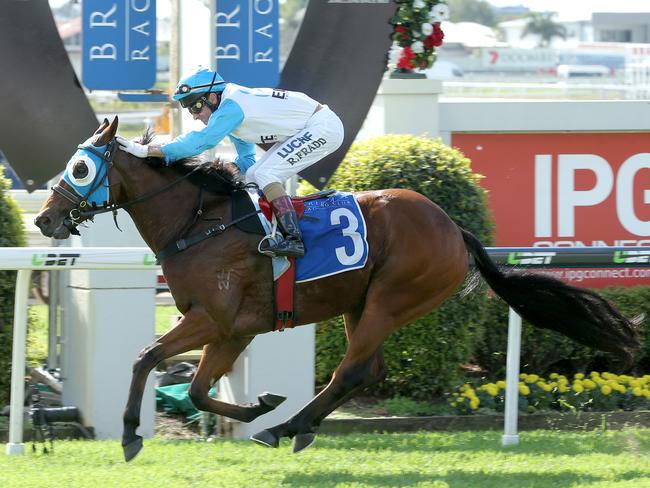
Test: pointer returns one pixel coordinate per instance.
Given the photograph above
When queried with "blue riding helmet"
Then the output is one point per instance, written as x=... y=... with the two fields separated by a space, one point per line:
x=193 y=87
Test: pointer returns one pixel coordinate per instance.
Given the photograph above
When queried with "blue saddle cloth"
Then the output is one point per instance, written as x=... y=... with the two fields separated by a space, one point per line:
x=334 y=233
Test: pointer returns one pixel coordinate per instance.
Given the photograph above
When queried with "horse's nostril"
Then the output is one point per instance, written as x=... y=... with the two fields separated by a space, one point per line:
x=42 y=221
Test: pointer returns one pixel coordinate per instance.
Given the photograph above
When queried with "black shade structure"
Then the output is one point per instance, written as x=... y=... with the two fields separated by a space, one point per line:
x=44 y=112
x=339 y=58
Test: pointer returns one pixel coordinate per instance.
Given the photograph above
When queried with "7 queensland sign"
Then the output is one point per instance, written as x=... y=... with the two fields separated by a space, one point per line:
x=247 y=42
x=119 y=44
x=573 y=190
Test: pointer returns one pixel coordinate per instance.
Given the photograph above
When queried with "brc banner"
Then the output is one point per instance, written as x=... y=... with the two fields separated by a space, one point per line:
x=247 y=42
x=119 y=44
x=567 y=190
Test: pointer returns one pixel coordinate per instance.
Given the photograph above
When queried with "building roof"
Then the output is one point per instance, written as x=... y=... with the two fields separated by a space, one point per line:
x=470 y=34
x=559 y=20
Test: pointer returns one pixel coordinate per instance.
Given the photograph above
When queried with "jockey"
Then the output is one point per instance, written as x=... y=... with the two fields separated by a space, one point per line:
x=302 y=132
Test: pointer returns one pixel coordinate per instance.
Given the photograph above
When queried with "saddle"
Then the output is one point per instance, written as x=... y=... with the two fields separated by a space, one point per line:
x=242 y=205
x=284 y=315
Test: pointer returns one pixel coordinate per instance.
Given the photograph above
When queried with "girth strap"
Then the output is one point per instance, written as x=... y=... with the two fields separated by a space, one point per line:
x=215 y=230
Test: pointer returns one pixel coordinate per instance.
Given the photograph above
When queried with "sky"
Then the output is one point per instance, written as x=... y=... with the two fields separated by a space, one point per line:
x=578 y=8
x=566 y=8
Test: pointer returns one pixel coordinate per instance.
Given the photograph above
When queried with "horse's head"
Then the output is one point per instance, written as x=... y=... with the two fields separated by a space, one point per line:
x=84 y=186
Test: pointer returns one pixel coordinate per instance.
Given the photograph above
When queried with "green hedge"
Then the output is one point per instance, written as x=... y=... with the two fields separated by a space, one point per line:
x=12 y=234
x=423 y=358
x=544 y=352
x=633 y=302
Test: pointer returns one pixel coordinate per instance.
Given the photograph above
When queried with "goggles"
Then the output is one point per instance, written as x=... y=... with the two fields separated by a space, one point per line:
x=194 y=103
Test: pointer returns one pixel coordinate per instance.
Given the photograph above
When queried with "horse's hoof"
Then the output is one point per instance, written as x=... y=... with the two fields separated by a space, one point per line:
x=271 y=399
x=303 y=441
x=132 y=449
x=266 y=438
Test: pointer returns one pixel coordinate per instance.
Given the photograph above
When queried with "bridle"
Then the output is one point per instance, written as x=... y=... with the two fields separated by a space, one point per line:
x=83 y=210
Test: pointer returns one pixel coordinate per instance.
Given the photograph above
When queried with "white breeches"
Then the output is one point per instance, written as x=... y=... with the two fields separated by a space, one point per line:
x=322 y=135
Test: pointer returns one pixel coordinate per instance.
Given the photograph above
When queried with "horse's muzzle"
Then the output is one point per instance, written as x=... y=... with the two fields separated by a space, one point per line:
x=49 y=227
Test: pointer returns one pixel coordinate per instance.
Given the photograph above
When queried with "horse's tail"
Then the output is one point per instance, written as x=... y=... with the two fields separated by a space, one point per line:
x=549 y=303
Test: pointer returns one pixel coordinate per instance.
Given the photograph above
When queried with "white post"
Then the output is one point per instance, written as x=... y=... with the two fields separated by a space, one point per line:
x=270 y=363
x=393 y=109
x=15 y=445
x=110 y=318
x=25 y=259
x=510 y=436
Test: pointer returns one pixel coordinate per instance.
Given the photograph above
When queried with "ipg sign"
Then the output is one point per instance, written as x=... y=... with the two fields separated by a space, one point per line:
x=119 y=44
x=565 y=190
x=247 y=42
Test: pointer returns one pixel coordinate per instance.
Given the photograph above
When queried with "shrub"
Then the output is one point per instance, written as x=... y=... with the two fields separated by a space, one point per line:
x=545 y=351
x=424 y=358
x=12 y=235
x=633 y=302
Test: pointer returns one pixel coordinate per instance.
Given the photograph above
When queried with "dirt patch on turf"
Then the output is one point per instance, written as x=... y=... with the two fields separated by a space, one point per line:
x=169 y=426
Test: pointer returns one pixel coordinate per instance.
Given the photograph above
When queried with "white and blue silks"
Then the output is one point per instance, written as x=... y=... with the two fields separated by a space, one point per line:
x=222 y=122
x=250 y=116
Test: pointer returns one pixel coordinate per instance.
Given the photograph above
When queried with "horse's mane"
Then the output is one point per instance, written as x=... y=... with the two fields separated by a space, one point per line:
x=216 y=177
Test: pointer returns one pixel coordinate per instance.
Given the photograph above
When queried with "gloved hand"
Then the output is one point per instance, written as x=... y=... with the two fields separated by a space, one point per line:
x=138 y=150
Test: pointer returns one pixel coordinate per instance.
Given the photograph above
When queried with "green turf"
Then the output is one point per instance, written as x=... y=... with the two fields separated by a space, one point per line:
x=164 y=314
x=616 y=459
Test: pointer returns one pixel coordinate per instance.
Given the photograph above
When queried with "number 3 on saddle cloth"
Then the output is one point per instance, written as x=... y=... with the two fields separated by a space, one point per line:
x=333 y=231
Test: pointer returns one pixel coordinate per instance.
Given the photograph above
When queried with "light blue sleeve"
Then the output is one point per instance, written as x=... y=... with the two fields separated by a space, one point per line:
x=245 y=154
x=223 y=121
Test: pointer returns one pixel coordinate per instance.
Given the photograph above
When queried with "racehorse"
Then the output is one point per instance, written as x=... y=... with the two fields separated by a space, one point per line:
x=417 y=258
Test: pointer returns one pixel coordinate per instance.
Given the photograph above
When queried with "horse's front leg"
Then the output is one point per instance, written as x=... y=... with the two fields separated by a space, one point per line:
x=194 y=330
x=362 y=366
x=217 y=360
x=348 y=380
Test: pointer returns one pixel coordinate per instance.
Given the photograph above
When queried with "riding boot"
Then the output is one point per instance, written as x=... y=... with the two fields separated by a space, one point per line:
x=291 y=245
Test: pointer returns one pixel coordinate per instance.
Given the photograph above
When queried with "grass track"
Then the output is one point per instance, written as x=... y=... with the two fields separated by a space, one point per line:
x=609 y=459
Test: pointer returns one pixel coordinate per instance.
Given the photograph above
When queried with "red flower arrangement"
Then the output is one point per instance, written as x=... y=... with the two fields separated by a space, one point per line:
x=417 y=31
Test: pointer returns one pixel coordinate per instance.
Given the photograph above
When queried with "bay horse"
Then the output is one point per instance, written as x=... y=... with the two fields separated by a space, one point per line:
x=417 y=258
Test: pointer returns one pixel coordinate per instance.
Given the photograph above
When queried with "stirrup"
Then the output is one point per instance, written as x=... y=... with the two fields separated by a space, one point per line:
x=271 y=241
x=288 y=253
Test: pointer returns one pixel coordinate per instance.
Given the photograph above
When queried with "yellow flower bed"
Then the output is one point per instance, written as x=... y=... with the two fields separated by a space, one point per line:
x=593 y=392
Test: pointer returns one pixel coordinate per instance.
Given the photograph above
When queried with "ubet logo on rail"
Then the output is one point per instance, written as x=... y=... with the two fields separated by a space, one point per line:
x=570 y=197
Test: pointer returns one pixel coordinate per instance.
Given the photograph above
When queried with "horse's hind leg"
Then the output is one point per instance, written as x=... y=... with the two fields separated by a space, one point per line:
x=362 y=366
x=217 y=360
x=193 y=331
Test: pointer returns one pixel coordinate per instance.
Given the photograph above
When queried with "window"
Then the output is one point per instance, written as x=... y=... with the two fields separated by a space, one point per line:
x=615 y=35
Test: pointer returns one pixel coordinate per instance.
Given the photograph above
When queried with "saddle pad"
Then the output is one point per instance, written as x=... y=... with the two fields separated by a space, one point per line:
x=334 y=233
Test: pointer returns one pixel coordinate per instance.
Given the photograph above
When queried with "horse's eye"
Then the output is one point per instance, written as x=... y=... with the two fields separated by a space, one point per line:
x=80 y=170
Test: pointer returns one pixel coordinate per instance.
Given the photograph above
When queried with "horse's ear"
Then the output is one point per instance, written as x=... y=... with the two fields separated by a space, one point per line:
x=112 y=130
x=102 y=126
x=107 y=134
